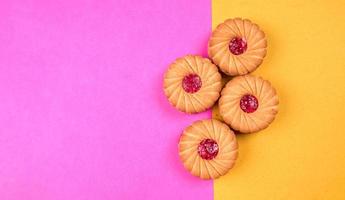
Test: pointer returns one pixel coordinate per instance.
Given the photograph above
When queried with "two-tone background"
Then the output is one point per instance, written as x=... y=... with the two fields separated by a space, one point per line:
x=83 y=115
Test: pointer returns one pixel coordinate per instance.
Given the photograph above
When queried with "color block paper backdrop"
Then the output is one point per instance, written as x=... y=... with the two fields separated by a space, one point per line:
x=82 y=111
x=83 y=116
x=301 y=156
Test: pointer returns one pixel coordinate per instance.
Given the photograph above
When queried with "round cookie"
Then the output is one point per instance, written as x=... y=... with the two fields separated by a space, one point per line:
x=192 y=84
x=248 y=103
x=208 y=148
x=237 y=46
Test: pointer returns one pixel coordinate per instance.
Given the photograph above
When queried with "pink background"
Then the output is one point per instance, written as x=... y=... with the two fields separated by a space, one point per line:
x=82 y=112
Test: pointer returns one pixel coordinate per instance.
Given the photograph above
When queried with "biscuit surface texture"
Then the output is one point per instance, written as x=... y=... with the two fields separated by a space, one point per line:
x=191 y=145
x=260 y=110
x=237 y=46
x=192 y=84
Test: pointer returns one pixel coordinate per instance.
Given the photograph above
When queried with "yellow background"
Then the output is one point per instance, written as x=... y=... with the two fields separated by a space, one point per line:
x=301 y=156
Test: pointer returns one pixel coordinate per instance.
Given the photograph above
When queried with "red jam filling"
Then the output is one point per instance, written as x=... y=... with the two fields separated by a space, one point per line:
x=208 y=149
x=237 y=46
x=191 y=83
x=249 y=103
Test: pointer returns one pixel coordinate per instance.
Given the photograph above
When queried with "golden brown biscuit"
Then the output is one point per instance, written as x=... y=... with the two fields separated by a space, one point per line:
x=248 y=103
x=192 y=84
x=208 y=148
x=237 y=46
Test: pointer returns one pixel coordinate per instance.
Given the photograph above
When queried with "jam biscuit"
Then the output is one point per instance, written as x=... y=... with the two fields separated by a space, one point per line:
x=248 y=103
x=237 y=46
x=192 y=84
x=208 y=148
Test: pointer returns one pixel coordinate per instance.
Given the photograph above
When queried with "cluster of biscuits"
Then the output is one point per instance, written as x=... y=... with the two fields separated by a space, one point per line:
x=247 y=104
